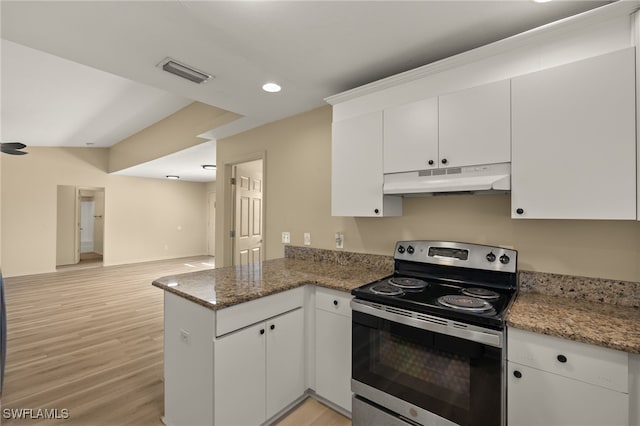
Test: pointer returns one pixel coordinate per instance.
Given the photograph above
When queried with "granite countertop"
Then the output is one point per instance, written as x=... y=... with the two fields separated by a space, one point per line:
x=590 y=310
x=223 y=287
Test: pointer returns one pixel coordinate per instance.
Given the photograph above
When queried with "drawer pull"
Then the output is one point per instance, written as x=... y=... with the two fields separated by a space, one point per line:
x=335 y=303
x=517 y=374
x=562 y=358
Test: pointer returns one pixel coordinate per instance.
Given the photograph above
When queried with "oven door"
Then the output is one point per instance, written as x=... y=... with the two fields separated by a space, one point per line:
x=427 y=369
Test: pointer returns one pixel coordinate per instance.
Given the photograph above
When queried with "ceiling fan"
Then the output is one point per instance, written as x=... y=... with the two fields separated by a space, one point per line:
x=13 y=148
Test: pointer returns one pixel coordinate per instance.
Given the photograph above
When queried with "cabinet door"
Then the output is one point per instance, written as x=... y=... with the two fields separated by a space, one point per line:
x=333 y=357
x=475 y=126
x=240 y=373
x=411 y=136
x=356 y=174
x=538 y=398
x=285 y=360
x=573 y=140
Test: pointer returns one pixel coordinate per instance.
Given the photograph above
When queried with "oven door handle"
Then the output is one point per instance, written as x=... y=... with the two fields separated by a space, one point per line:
x=430 y=323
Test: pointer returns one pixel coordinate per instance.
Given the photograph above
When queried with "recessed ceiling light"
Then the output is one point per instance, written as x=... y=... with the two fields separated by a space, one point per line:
x=174 y=177
x=90 y=144
x=541 y=1
x=271 y=87
x=209 y=166
x=185 y=71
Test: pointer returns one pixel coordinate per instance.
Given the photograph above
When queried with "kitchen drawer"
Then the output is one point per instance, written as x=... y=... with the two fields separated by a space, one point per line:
x=599 y=366
x=244 y=314
x=333 y=301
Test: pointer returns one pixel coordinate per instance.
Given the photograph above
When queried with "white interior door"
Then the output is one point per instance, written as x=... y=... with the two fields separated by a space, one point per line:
x=211 y=225
x=98 y=222
x=248 y=212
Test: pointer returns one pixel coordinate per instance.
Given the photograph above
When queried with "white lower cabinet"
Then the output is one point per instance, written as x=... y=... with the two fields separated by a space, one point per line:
x=285 y=360
x=557 y=382
x=240 y=377
x=333 y=347
x=259 y=370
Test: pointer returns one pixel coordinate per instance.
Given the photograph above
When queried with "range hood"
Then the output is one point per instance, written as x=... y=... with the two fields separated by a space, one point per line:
x=488 y=177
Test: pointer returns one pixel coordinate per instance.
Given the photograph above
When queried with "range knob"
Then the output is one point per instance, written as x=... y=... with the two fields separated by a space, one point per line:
x=491 y=257
x=400 y=249
x=504 y=259
x=410 y=250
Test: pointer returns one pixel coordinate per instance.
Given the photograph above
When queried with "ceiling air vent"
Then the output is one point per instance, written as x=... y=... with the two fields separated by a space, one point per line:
x=184 y=71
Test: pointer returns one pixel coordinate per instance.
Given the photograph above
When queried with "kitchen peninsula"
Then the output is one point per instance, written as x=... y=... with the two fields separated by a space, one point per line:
x=243 y=344
x=240 y=342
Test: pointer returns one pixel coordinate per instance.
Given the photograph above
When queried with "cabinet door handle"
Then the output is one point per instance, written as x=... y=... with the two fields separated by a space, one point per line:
x=444 y=161
x=335 y=303
x=272 y=326
x=517 y=374
x=262 y=331
x=431 y=162
x=519 y=211
x=562 y=358
x=376 y=211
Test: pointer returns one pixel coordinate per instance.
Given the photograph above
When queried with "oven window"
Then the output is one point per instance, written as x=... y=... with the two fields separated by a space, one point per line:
x=456 y=379
x=434 y=372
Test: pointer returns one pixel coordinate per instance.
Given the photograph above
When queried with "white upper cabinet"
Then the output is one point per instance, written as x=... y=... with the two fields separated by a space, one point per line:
x=573 y=146
x=356 y=173
x=475 y=126
x=465 y=128
x=411 y=136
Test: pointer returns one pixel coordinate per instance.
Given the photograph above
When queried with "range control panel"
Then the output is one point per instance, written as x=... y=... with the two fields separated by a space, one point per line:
x=467 y=255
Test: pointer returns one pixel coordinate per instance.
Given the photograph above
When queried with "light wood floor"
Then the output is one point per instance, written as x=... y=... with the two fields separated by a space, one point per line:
x=313 y=413
x=90 y=341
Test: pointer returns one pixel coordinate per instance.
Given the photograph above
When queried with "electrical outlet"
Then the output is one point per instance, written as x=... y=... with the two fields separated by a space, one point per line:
x=286 y=237
x=184 y=336
x=307 y=239
x=339 y=240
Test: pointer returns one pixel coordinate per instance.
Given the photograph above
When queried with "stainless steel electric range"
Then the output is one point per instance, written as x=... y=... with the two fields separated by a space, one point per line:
x=428 y=341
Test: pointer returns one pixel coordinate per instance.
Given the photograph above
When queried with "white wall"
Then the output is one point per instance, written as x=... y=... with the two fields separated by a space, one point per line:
x=142 y=216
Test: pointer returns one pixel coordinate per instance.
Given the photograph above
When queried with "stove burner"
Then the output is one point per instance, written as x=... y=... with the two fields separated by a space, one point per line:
x=386 y=290
x=481 y=293
x=465 y=303
x=408 y=283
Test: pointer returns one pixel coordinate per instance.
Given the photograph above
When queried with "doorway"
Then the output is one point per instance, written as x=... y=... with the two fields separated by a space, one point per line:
x=211 y=224
x=247 y=234
x=91 y=225
x=80 y=226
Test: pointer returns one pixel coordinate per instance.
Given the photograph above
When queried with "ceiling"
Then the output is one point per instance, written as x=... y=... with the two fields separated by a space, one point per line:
x=81 y=72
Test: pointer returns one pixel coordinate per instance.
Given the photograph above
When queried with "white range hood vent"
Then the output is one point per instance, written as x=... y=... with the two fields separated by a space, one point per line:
x=488 y=177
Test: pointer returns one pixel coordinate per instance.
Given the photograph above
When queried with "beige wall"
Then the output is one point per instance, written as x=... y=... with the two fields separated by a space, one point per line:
x=174 y=133
x=66 y=225
x=142 y=216
x=298 y=182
